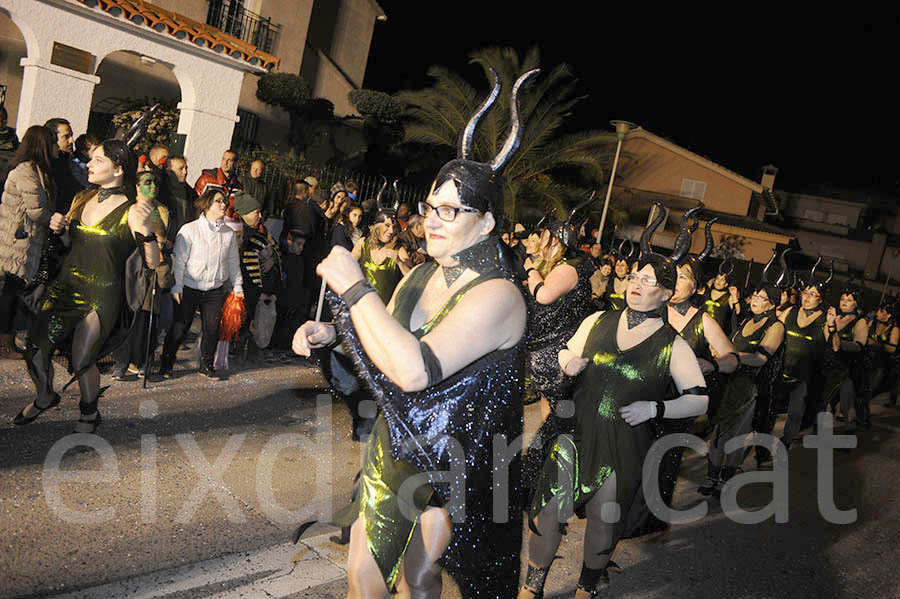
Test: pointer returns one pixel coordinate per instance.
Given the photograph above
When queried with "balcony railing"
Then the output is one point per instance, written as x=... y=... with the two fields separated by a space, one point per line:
x=231 y=17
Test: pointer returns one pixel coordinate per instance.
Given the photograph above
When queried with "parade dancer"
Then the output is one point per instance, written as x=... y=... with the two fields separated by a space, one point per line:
x=615 y=292
x=721 y=296
x=846 y=333
x=883 y=338
x=444 y=362
x=804 y=344
x=383 y=261
x=86 y=299
x=629 y=359
x=758 y=343
x=559 y=298
x=706 y=339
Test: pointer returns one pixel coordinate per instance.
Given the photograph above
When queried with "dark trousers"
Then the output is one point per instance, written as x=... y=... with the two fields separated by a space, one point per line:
x=210 y=304
x=9 y=301
x=245 y=338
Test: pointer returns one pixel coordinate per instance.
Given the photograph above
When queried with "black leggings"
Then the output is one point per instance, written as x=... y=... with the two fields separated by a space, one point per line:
x=210 y=304
x=9 y=301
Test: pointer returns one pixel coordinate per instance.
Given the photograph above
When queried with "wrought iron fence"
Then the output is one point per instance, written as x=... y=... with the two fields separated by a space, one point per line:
x=280 y=184
x=231 y=17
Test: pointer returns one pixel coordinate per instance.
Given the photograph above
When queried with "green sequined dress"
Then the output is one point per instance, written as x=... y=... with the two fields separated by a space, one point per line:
x=841 y=365
x=471 y=406
x=719 y=309
x=91 y=279
x=614 y=300
x=384 y=276
x=803 y=347
x=603 y=442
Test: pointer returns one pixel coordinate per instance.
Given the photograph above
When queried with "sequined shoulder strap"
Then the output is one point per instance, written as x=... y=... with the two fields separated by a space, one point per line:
x=455 y=299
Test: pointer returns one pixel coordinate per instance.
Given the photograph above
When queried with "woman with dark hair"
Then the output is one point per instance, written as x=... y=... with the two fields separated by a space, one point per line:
x=204 y=259
x=758 y=343
x=846 y=333
x=600 y=282
x=28 y=203
x=346 y=231
x=86 y=300
x=444 y=362
x=615 y=291
x=721 y=299
x=626 y=361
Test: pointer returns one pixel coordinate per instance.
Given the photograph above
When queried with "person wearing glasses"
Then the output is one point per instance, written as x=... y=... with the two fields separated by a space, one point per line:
x=444 y=360
x=758 y=343
x=625 y=361
x=205 y=261
x=804 y=347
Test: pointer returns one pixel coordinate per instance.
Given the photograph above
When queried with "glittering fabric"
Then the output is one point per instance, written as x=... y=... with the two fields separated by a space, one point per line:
x=550 y=326
x=470 y=407
x=719 y=308
x=383 y=276
x=802 y=347
x=91 y=279
x=839 y=365
x=877 y=356
x=602 y=442
x=616 y=300
x=749 y=384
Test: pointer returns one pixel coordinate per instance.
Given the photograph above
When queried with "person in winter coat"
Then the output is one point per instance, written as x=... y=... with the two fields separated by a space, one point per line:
x=28 y=203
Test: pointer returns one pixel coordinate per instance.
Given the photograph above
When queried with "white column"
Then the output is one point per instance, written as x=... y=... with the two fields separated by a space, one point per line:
x=208 y=136
x=50 y=91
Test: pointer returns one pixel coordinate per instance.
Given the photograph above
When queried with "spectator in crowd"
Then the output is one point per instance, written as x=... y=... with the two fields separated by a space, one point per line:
x=313 y=184
x=158 y=155
x=9 y=141
x=178 y=196
x=295 y=207
x=413 y=240
x=129 y=357
x=352 y=190
x=84 y=146
x=260 y=268
x=66 y=183
x=403 y=213
x=204 y=260
x=25 y=210
x=346 y=231
x=224 y=176
x=254 y=185
x=295 y=299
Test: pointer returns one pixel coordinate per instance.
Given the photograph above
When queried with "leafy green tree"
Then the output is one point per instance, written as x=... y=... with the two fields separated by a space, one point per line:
x=553 y=169
x=162 y=126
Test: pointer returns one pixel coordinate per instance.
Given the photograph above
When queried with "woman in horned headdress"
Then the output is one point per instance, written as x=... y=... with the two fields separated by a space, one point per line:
x=721 y=296
x=444 y=361
x=382 y=259
x=559 y=298
x=804 y=344
x=626 y=361
x=846 y=333
x=615 y=291
x=884 y=336
x=714 y=352
x=758 y=343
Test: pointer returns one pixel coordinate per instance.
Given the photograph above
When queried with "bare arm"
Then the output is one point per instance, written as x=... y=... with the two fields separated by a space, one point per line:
x=720 y=343
x=357 y=248
x=575 y=347
x=140 y=220
x=561 y=280
x=891 y=346
x=860 y=336
x=771 y=341
x=686 y=373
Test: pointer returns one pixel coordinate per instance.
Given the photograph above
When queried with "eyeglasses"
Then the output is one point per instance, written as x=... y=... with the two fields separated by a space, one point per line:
x=812 y=294
x=645 y=280
x=445 y=212
x=219 y=201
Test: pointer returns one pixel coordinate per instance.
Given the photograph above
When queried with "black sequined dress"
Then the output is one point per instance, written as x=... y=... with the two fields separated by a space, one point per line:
x=415 y=433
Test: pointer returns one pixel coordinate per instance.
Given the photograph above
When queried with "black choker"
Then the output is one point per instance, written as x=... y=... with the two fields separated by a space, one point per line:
x=845 y=314
x=681 y=307
x=452 y=273
x=634 y=318
x=758 y=317
x=809 y=313
x=482 y=257
x=105 y=192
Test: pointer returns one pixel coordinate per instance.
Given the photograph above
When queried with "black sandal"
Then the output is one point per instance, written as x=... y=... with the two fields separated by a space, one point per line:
x=92 y=424
x=21 y=419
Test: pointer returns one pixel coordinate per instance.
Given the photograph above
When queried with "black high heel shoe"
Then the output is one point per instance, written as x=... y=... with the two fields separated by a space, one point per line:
x=21 y=419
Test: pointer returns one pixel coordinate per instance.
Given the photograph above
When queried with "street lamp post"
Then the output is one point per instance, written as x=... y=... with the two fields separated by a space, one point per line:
x=622 y=128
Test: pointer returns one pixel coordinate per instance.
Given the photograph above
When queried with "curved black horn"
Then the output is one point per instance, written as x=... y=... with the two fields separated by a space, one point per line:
x=540 y=223
x=782 y=260
x=652 y=227
x=396 y=194
x=515 y=127
x=138 y=128
x=726 y=262
x=830 y=273
x=768 y=266
x=381 y=193
x=467 y=137
x=812 y=273
x=577 y=208
x=709 y=239
x=683 y=241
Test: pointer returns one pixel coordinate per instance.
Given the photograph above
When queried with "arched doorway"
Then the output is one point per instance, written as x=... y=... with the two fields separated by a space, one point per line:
x=129 y=80
x=14 y=50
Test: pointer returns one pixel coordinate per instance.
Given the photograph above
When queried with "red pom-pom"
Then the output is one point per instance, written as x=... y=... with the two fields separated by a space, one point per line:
x=162 y=161
x=232 y=317
x=142 y=159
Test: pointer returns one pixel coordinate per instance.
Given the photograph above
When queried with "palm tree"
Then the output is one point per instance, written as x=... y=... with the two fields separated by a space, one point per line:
x=551 y=170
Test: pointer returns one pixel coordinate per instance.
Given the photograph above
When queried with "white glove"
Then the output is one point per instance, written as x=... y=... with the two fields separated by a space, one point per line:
x=638 y=412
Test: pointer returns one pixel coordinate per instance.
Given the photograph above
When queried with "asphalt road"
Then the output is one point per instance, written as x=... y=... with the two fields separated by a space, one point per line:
x=201 y=483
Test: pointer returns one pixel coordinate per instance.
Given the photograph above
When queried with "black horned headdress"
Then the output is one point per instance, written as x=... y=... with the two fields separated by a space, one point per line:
x=821 y=286
x=480 y=184
x=695 y=263
x=386 y=211
x=663 y=266
x=566 y=231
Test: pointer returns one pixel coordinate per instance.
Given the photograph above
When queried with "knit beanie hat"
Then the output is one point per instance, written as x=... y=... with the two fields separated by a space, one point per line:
x=244 y=203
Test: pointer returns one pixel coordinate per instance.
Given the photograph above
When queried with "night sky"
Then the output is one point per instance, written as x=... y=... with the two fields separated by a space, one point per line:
x=813 y=94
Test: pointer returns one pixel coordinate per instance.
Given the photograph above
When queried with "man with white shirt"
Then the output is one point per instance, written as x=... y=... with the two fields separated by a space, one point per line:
x=205 y=263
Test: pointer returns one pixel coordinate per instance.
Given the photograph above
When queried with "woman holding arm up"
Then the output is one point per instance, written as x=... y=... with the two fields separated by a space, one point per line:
x=444 y=361
x=626 y=361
